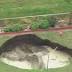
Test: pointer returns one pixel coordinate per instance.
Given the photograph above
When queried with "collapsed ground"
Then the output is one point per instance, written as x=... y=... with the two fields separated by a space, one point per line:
x=65 y=40
x=32 y=50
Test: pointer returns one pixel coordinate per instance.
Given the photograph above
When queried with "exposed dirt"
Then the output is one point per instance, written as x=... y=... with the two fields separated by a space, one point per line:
x=53 y=59
x=32 y=50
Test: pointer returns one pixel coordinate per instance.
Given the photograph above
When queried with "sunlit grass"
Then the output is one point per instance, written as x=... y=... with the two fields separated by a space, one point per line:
x=18 y=8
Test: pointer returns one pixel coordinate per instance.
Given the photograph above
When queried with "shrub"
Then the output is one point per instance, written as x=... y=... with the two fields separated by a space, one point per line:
x=68 y=1
x=44 y=24
x=13 y=28
x=34 y=25
x=52 y=21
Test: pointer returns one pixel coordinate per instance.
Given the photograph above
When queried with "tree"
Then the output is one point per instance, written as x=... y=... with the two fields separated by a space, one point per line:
x=34 y=25
x=14 y=28
x=44 y=24
x=68 y=1
x=52 y=21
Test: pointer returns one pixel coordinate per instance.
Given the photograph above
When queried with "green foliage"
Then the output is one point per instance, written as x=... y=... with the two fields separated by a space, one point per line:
x=34 y=25
x=13 y=28
x=68 y=1
x=52 y=21
x=43 y=24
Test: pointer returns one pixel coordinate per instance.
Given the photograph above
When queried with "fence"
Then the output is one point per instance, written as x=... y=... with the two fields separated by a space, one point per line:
x=57 y=20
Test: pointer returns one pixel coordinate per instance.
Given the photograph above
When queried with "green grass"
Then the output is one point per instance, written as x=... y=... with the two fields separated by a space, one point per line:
x=18 y=8
x=65 y=40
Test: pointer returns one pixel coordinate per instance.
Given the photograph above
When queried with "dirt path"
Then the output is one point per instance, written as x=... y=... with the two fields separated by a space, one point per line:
x=40 y=30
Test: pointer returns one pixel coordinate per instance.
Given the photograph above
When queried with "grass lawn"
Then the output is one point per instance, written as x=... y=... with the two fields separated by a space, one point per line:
x=65 y=40
x=18 y=8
